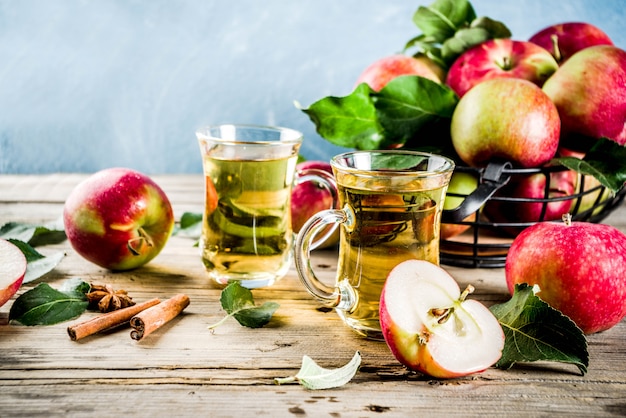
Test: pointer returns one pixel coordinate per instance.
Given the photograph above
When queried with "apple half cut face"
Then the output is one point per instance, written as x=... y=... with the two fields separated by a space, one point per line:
x=12 y=270
x=431 y=328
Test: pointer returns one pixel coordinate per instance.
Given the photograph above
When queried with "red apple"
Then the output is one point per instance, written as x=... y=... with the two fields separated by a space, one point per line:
x=580 y=268
x=533 y=204
x=431 y=327
x=12 y=270
x=118 y=218
x=382 y=71
x=505 y=119
x=589 y=91
x=309 y=198
x=498 y=58
x=565 y=39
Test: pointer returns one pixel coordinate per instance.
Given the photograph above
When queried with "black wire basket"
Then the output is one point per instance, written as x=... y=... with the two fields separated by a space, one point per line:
x=486 y=214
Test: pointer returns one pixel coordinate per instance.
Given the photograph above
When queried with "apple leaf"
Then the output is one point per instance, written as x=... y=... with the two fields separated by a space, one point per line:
x=534 y=331
x=38 y=264
x=190 y=225
x=314 y=377
x=365 y=119
x=450 y=27
x=238 y=302
x=606 y=161
x=44 y=305
x=51 y=233
x=348 y=121
x=408 y=103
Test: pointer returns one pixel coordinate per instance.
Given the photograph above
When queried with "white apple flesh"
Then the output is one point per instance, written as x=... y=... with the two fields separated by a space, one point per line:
x=12 y=270
x=431 y=328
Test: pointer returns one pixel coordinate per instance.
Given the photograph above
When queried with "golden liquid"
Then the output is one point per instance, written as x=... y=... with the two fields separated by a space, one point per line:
x=388 y=229
x=246 y=233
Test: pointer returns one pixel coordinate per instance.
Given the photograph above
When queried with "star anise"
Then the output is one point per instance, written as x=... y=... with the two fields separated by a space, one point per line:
x=107 y=299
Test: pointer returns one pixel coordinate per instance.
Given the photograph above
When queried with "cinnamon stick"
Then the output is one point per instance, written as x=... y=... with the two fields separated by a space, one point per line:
x=155 y=317
x=108 y=320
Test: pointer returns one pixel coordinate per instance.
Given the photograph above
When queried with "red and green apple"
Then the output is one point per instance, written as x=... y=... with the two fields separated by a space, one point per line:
x=506 y=119
x=118 y=218
x=497 y=58
x=580 y=268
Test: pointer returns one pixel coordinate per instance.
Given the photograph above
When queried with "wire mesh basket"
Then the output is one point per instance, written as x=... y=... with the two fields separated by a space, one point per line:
x=490 y=215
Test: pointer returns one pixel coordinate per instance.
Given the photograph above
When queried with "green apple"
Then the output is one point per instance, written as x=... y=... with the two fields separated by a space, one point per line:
x=461 y=185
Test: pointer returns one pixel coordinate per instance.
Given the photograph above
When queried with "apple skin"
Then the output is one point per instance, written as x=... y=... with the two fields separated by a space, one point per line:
x=12 y=270
x=570 y=37
x=562 y=184
x=580 y=269
x=498 y=58
x=505 y=119
x=461 y=184
x=382 y=71
x=308 y=198
x=589 y=91
x=418 y=339
x=118 y=219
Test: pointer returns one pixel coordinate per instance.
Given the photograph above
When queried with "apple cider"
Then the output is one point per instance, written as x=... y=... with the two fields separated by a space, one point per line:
x=246 y=232
x=388 y=228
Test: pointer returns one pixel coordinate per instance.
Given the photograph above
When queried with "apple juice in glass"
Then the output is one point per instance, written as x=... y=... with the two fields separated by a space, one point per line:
x=391 y=212
x=246 y=227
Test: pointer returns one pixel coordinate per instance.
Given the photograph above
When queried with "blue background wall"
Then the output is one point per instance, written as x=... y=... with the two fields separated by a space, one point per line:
x=90 y=84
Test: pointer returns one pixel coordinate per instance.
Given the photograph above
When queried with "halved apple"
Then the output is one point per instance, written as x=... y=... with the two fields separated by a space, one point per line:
x=12 y=270
x=432 y=328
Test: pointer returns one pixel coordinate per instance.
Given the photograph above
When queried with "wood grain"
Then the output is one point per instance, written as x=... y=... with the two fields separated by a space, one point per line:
x=183 y=369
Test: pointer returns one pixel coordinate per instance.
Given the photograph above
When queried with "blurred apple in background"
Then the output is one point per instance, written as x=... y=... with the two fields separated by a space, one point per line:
x=118 y=219
x=506 y=119
x=461 y=185
x=382 y=71
x=589 y=91
x=309 y=198
x=565 y=39
x=580 y=268
x=498 y=58
x=12 y=270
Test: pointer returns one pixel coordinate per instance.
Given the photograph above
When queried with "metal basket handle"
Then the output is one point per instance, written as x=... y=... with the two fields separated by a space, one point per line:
x=493 y=178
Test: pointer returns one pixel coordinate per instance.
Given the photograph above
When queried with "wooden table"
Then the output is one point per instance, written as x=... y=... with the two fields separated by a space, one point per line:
x=183 y=369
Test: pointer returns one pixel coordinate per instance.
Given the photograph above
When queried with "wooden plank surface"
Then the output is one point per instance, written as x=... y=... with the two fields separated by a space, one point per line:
x=184 y=369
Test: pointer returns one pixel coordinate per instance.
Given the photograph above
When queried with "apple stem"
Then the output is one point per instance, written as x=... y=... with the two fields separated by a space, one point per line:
x=567 y=219
x=557 y=51
x=469 y=289
x=506 y=63
x=135 y=244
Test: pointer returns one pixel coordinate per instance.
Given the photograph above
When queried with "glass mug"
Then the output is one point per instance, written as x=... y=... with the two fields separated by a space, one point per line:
x=391 y=211
x=249 y=174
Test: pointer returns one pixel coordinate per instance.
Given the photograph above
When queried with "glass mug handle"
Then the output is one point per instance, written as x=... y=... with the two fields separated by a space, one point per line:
x=342 y=296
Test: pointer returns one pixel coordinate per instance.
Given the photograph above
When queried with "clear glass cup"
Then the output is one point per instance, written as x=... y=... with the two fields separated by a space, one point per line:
x=249 y=174
x=391 y=204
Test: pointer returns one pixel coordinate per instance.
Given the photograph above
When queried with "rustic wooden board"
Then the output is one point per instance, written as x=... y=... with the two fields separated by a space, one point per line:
x=183 y=369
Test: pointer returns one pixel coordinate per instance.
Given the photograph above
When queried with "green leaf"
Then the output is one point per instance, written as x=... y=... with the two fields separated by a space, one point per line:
x=443 y=18
x=348 y=121
x=314 y=377
x=238 y=302
x=534 y=331
x=38 y=264
x=44 y=305
x=606 y=161
x=190 y=225
x=409 y=103
x=51 y=233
